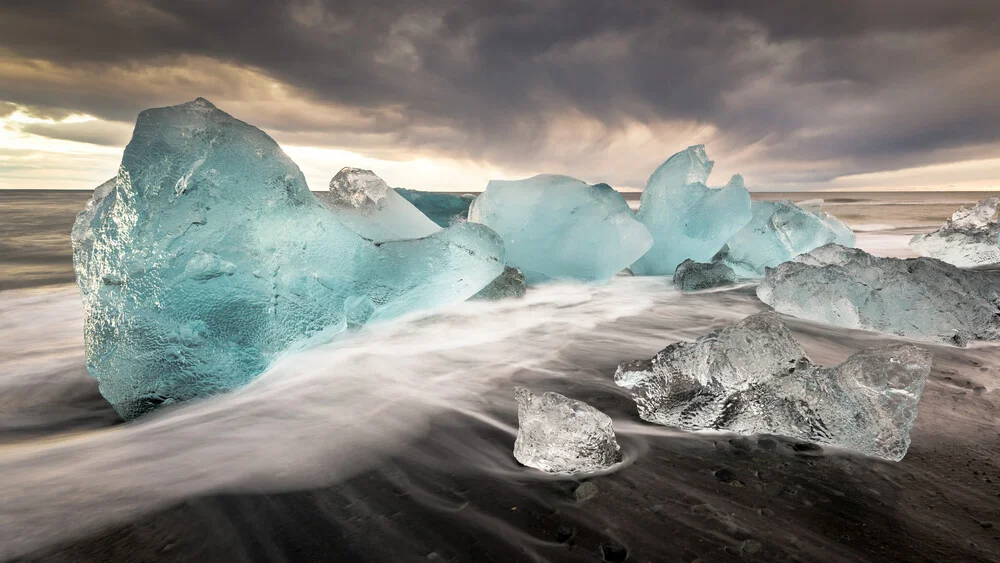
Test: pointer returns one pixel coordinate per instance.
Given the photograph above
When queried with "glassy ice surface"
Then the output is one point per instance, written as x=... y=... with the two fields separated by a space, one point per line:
x=970 y=238
x=753 y=378
x=508 y=285
x=209 y=257
x=443 y=209
x=695 y=276
x=778 y=232
x=687 y=218
x=920 y=298
x=368 y=206
x=561 y=435
x=557 y=227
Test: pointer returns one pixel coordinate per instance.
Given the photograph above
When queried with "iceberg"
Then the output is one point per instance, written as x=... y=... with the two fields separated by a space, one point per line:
x=368 y=206
x=753 y=378
x=508 y=285
x=970 y=238
x=209 y=257
x=560 y=228
x=687 y=218
x=443 y=209
x=560 y=435
x=920 y=298
x=696 y=276
x=778 y=232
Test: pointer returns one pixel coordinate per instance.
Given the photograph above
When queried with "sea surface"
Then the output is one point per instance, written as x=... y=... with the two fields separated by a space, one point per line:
x=394 y=443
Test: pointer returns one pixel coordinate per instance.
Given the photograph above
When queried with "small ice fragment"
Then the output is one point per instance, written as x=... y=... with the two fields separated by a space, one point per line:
x=368 y=206
x=970 y=238
x=557 y=227
x=687 y=218
x=443 y=209
x=920 y=298
x=560 y=435
x=508 y=285
x=754 y=378
x=695 y=276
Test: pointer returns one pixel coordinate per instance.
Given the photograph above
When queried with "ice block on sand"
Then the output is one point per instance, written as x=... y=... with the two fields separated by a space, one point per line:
x=560 y=228
x=920 y=298
x=368 y=206
x=208 y=257
x=688 y=220
x=561 y=435
x=753 y=377
x=970 y=238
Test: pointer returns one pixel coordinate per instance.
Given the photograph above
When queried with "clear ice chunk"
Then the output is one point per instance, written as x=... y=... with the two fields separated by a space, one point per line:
x=970 y=238
x=557 y=227
x=696 y=276
x=561 y=435
x=687 y=218
x=778 y=232
x=368 y=206
x=209 y=257
x=921 y=298
x=753 y=378
x=443 y=209
x=508 y=285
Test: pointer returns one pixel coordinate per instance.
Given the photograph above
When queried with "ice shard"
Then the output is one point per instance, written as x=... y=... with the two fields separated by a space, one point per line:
x=687 y=218
x=209 y=257
x=368 y=206
x=696 y=276
x=921 y=298
x=753 y=378
x=560 y=228
x=508 y=285
x=970 y=238
x=443 y=209
x=778 y=232
x=560 y=435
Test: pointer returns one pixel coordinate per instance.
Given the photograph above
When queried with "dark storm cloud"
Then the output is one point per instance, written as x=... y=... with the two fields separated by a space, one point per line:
x=864 y=85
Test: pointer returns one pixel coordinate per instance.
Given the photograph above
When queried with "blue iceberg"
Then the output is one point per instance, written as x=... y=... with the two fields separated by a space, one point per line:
x=557 y=227
x=687 y=218
x=778 y=232
x=208 y=257
x=443 y=209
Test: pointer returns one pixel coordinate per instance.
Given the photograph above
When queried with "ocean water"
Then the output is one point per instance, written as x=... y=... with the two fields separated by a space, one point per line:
x=394 y=443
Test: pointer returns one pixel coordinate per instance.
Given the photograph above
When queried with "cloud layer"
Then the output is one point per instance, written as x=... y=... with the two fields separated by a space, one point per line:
x=795 y=95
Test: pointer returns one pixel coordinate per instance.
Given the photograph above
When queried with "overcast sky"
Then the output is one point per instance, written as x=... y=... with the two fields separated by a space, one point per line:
x=795 y=95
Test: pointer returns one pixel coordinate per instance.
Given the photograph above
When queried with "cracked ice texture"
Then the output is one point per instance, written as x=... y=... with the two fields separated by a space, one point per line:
x=753 y=378
x=443 y=209
x=687 y=218
x=561 y=435
x=778 y=232
x=970 y=238
x=921 y=298
x=695 y=276
x=208 y=256
x=557 y=227
x=508 y=285
x=368 y=206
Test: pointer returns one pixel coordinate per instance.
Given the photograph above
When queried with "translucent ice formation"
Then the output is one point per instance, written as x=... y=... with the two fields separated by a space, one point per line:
x=510 y=284
x=443 y=209
x=753 y=377
x=695 y=276
x=970 y=238
x=209 y=257
x=778 y=232
x=687 y=218
x=918 y=297
x=368 y=206
x=557 y=227
x=560 y=435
